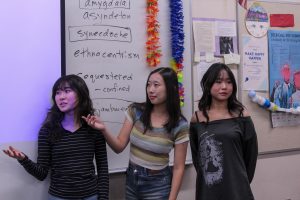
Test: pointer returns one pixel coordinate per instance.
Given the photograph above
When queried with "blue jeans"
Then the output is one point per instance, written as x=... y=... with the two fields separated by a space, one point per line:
x=145 y=184
x=51 y=197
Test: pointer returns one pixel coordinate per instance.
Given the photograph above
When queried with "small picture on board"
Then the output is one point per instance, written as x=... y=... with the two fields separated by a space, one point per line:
x=226 y=45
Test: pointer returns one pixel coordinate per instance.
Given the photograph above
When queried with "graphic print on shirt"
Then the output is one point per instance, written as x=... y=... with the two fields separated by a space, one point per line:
x=211 y=158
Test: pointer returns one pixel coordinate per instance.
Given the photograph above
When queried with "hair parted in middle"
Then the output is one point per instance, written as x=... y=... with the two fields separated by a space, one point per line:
x=172 y=102
x=209 y=78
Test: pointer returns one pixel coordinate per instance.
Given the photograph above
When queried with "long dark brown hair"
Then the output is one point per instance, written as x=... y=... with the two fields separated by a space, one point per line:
x=172 y=102
x=84 y=106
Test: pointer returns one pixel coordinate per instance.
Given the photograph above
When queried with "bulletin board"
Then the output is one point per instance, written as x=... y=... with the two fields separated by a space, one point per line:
x=270 y=140
x=112 y=61
x=224 y=10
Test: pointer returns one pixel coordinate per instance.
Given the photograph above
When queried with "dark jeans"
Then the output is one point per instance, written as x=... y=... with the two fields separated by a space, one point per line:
x=146 y=184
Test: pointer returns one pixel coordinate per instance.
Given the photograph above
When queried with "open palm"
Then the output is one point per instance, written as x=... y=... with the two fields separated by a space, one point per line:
x=14 y=153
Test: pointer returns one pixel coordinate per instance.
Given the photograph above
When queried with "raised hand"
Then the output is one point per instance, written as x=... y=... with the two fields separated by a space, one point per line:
x=95 y=122
x=14 y=153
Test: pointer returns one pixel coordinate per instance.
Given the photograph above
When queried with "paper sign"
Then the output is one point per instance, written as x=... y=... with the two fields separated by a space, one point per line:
x=282 y=20
x=197 y=57
x=209 y=57
x=232 y=58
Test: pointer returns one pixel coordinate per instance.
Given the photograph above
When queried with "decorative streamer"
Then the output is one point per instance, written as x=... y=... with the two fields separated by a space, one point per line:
x=177 y=39
x=177 y=43
x=266 y=103
x=152 y=44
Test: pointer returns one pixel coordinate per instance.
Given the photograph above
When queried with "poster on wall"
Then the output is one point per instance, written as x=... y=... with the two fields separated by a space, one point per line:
x=284 y=73
x=226 y=37
x=204 y=37
x=214 y=36
x=255 y=63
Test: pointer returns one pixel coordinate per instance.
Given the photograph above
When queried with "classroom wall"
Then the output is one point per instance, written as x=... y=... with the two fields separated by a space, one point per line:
x=30 y=63
x=277 y=176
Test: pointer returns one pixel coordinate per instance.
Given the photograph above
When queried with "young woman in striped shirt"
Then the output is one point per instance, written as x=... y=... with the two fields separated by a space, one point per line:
x=67 y=146
x=153 y=129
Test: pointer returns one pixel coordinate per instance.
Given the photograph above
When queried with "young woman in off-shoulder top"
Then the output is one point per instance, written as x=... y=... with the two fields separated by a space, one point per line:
x=223 y=139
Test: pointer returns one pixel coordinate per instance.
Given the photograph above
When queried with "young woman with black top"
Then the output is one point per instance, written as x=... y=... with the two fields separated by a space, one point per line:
x=223 y=140
x=67 y=146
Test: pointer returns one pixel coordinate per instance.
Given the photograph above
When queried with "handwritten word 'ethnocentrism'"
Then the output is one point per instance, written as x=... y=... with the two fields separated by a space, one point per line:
x=108 y=76
x=100 y=32
x=104 y=4
x=118 y=54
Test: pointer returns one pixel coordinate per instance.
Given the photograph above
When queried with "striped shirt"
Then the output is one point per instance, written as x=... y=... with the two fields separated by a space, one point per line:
x=151 y=149
x=71 y=163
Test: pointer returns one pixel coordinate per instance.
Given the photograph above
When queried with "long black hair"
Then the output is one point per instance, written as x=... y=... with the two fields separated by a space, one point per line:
x=84 y=105
x=209 y=78
x=172 y=102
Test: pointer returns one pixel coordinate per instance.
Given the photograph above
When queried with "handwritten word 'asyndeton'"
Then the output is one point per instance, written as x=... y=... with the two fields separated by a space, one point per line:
x=100 y=32
x=99 y=17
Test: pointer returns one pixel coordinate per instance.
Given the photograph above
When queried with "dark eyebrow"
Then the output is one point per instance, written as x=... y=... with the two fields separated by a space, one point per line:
x=64 y=88
x=153 y=82
x=220 y=78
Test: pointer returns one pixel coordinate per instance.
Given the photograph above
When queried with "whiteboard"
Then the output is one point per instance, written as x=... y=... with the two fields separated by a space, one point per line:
x=114 y=65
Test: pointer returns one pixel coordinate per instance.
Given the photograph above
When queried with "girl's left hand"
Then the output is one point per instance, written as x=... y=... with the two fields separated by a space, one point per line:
x=95 y=122
x=14 y=153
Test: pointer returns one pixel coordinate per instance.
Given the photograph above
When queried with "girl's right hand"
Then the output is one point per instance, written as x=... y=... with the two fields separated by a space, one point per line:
x=95 y=122
x=14 y=153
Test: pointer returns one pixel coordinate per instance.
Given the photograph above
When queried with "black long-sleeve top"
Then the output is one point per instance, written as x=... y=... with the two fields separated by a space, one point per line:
x=224 y=154
x=70 y=161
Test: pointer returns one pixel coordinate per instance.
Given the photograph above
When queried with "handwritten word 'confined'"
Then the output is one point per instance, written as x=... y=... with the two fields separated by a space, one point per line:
x=104 y=4
x=108 y=76
x=100 y=32
x=118 y=54
x=114 y=89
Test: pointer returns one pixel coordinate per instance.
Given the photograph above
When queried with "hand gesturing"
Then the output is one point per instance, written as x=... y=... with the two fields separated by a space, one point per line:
x=94 y=121
x=14 y=153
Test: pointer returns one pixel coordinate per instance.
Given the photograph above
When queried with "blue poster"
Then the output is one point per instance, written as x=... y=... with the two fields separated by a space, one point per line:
x=284 y=68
